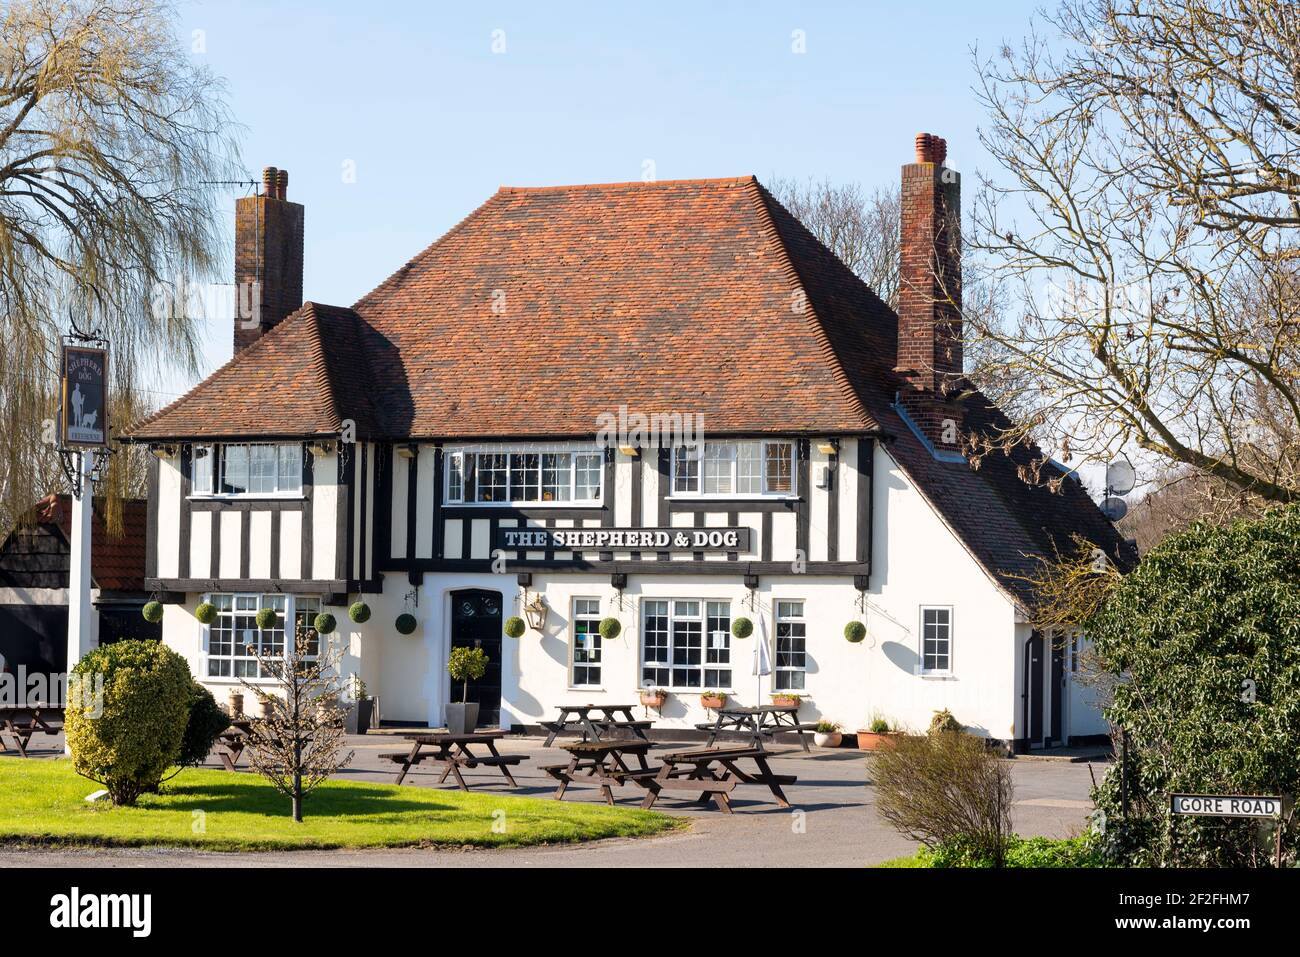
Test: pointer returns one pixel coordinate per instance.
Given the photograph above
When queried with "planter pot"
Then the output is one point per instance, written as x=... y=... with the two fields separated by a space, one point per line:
x=365 y=712
x=713 y=702
x=830 y=739
x=268 y=708
x=781 y=702
x=462 y=718
x=235 y=704
x=655 y=701
x=875 y=741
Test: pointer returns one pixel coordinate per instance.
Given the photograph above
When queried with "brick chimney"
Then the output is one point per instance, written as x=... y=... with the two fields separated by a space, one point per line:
x=268 y=258
x=929 y=297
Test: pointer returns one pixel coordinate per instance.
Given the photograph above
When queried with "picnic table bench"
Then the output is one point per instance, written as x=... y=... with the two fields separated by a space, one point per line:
x=712 y=774
x=452 y=752
x=601 y=762
x=759 y=724
x=25 y=721
x=578 y=718
x=232 y=742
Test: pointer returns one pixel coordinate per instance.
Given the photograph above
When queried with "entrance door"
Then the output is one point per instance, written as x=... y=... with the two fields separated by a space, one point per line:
x=1033 y=695
x=476 y=622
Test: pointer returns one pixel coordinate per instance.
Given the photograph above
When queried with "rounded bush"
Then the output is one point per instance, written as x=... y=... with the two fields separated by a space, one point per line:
x=359 y=612
x=514 y=626
x=325 y=623
x=742 y=627
x=405 y=624
x=855 y=631
x=206 y=613
x=152 y=611
x=265 y=618
x=610 y=628
x=128 y=708
x=205 y=723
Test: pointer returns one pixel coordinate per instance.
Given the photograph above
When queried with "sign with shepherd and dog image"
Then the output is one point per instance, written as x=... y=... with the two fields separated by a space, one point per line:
x=83 y=418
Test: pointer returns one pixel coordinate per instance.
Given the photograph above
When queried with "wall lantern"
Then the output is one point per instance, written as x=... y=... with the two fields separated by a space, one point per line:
x=535 y=612
x=318 y=449
x=163 y=451
x=631 y=451
x=408 y=451
x=829 y=446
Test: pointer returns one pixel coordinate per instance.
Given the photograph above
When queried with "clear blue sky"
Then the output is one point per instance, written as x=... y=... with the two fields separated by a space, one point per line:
x=434 y=120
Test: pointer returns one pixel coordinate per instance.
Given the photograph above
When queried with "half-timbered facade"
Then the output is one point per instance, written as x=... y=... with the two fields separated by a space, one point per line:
x=664 y=403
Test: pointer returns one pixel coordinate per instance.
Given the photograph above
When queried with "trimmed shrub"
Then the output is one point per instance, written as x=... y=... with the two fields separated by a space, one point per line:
x=152 y=612
x=325 y=623
x=205 y=723
x=742 y=627
x=514 y=627
x=855 y=631
x=206 y=613
x=943 y=721
x=128 y=709
x=266 y=618
x=359 y=612
x=610 y=628
x=405 y=624
x=1021 y=852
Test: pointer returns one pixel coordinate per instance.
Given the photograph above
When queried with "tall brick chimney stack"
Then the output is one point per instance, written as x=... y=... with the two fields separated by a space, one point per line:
x=268 y=258
x=929 y=297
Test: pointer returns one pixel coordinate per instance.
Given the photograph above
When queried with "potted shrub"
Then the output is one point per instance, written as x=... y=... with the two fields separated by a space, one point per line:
x=786 y=699
x=514 y=627
x=610 y=628
x=877 y=736
x=206 y=613
x=267 y=705
x=653 y=697
x=943 y=721
x=324 y=623
x=713 y=700
x=152 y=612
x=464 y=665
x=365 y=704
x=854 y=632
x=405 y=623
x=742 y=627
x=266 y=618
x=359 y=612
x=827 y=734
x=235 y=703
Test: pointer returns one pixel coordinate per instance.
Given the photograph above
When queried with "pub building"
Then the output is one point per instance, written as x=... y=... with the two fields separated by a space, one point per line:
x=665 y=403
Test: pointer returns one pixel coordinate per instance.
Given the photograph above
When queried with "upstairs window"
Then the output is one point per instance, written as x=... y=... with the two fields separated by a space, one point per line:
x=746 y=469
x=247 y=469
x=524 y=478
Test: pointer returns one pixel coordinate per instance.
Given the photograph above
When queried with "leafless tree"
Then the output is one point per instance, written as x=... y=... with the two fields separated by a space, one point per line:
x=299 y=744
x=1145 y=220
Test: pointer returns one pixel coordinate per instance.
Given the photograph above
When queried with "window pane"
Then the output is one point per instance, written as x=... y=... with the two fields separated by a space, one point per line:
x=654 y=644
x=719 y=461
x=201 y=470
x=455 y=480
x=262 y=468
x=557 y=468
x=492 y=476
x=749 y=468
x=586 y=483
x=778 y=462
x=686 y=470
x=524 y=476
x=234 y=473
x=290 y=468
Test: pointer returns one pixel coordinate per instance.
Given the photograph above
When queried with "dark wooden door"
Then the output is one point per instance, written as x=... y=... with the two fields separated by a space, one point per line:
x=1033 y=694
x=476 y=622
x=1058 y=688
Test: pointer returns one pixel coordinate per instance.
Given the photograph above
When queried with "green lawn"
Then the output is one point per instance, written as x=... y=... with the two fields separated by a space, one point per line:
x=44 y=801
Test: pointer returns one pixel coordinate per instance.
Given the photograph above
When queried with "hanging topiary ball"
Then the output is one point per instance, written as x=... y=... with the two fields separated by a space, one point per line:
x=266 y=618
x=610 y=627
x=359 y=612
x=206 y=613
x=514 y=626
x=152 y=611
x=742 y=627
x=325 y=623
x=855 y=631
x=405 y=624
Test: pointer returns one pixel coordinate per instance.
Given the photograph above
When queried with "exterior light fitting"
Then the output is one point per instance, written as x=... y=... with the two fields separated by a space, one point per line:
x=631 y=451
x=408 y=451
x=163 y=451
x=318 y=449
x=829 y=446
x=535 y=612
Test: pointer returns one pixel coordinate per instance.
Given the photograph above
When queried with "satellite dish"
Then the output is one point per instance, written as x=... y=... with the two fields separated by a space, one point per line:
x=1114 y=508
x=1120 y=477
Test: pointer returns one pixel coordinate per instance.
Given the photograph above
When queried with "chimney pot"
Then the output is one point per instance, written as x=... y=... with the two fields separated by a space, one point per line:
x=940 y=150
x=924 y=148
x=269 y=176
x=282 y=184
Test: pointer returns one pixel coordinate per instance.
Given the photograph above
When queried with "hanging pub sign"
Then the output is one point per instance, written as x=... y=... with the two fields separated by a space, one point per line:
x=616 y=539
x=83 y=411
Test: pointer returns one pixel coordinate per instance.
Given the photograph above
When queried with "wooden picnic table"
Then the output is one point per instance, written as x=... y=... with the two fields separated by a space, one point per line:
x=601 y=762
x=24 y=721
x=759 y=724
x=712 y=774
x=232 y=742
x=452 y=752
x=615 y=718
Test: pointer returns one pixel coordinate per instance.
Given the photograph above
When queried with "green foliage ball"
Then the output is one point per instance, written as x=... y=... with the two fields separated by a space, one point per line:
x=405 y=624
x=152 y=612
x=467 y=664
x=325 y=623
x=742 y=627
x=206 y=613
x=359 y=612
x=128 y=708
x=514 y=626
x=610 y=628
x=855 y=631
x=266 y=618
x=205 y=723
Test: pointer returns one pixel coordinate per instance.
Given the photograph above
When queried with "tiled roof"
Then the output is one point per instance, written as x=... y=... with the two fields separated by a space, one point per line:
x=116 y=564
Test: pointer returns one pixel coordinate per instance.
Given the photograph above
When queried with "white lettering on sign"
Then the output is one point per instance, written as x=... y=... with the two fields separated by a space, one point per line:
x=606 y=539
x=1226 y=805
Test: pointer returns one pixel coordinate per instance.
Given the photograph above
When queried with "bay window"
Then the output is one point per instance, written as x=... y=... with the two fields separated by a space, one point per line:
x=524 y=478
x=234 y=636
x=256 y=468
x=761 y=467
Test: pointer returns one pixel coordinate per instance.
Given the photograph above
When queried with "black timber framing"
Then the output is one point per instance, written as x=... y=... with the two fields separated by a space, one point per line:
x=294 y=586
x=345 y=512
x=833 y=507
x=714 y=567
x=866 y=496
x=412 y=501
x=308 y=498
x=184 y=520
x=802 y=508
x=151 y=520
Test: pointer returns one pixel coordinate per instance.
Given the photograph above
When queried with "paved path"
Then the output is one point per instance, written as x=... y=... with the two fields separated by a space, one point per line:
x=833 y=822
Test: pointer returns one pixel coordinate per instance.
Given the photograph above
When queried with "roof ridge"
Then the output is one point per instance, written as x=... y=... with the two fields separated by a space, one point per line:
x=773 y=232
x=703 y=181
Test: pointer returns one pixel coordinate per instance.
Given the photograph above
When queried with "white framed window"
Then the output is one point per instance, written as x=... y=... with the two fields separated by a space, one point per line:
x=750 y=469
x=509 y=477
x=586 y=650
x=936 y=640
x=247 y=469
x=686 y=644
x=229 y=638
x=791 y=646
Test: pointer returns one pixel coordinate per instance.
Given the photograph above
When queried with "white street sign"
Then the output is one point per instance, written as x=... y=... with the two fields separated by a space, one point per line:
x=1227 y=805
